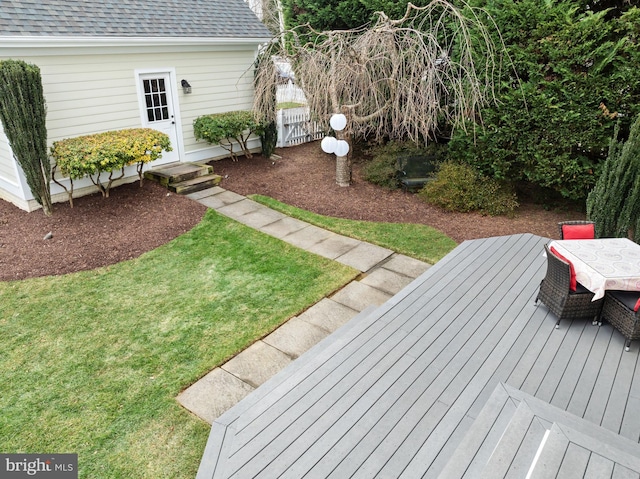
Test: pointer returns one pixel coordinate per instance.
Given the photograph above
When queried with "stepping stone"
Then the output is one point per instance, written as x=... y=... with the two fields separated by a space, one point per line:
x=239 y=208
x=296 y=337
x=405 y=265
x=284 y=227
x=358 y=296
x=307 y=237
x=198 y=195
x=256 y=364
x=387 y=281
x=334 y=246
x=259 y=218
x=364 y=256
x=214 y=394
x=328 y=315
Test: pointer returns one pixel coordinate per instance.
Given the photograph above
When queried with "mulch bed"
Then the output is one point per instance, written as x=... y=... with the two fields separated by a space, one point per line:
x=102 y=231
x=96 y=232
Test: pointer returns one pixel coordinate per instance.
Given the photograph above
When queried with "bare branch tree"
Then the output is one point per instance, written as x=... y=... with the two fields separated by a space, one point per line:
x=396 y=79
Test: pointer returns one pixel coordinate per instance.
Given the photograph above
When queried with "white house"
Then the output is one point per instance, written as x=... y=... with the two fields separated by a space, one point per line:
x=115 y=64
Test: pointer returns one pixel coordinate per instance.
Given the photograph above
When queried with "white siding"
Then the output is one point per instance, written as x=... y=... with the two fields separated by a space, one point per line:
x=92 y=93
x=7 y=168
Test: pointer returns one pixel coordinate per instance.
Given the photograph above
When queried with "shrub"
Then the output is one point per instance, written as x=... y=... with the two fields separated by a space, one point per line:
x=225 y=128
x=578 y=73
x=92 y=155
x=459 y=187
x=23 y=115
x=381 y=169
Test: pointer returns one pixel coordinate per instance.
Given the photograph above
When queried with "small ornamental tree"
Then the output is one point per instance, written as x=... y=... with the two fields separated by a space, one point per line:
x=614 y=203
x=392 y=79
x=92 y=155
x=226 y=128
x=23 y=115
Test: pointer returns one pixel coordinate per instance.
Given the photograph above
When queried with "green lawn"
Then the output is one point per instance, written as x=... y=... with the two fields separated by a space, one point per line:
x=418 y=241
x=92 y=362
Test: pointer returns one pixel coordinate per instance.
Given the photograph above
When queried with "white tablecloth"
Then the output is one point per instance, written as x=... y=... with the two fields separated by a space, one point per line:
x=601 y=264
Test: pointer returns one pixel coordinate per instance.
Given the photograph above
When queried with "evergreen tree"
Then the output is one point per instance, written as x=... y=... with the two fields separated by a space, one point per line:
x=614 y=202
x=628 y=221
x=23 y=115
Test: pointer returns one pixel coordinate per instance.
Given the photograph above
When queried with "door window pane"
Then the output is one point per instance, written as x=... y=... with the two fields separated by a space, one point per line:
x=155 y=96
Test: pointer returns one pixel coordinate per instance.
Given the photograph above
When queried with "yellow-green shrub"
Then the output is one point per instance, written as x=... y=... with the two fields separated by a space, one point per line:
x=459 y=187
x=92 y=155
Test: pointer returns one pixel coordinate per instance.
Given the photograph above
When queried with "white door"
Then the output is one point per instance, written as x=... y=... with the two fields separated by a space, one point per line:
x=158 y=110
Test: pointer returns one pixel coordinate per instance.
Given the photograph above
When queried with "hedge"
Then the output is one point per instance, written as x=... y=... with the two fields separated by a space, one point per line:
x=92 y=155
x=225 y=128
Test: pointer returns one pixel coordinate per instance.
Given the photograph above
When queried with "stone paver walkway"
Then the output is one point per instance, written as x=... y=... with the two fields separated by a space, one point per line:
x=384 y=273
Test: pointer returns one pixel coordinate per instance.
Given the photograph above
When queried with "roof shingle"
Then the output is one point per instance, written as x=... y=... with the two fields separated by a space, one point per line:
x=130 y=18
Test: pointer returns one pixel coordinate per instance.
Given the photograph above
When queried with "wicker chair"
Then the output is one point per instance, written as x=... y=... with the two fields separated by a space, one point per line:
x=555 y=293
x=618 y=309
x=582 y=235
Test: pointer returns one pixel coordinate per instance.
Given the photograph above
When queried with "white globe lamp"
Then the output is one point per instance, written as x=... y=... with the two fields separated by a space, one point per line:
x=338 y=121
x=328 y=144
x=342 y=148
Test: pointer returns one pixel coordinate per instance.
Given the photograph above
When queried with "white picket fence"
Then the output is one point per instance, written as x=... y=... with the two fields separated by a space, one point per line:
x=295 y=127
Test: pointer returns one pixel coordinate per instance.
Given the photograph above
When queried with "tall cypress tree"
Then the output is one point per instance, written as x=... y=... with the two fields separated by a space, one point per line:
x=23 y=115
x=629 y=221
x=614 y=203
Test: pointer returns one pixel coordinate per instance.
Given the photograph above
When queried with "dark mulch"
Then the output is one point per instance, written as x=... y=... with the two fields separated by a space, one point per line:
x=305 y=177
x=101 y=231
x=96 y=232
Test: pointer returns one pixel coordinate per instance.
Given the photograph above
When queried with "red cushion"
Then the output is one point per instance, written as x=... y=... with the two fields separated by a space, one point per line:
x=570 y=232
x=637 y=306
x=572 y=280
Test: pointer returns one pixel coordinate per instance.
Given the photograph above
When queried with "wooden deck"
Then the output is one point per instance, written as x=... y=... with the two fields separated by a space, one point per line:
x=397 y=392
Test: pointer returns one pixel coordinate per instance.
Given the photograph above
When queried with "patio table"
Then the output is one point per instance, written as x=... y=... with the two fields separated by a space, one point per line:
x=601 y=264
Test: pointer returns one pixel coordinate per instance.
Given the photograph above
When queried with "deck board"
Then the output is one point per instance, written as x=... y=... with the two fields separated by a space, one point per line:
x=394 y=395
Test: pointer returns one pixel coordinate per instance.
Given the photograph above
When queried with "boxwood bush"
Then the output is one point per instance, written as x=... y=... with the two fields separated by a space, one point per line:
x=226 y=128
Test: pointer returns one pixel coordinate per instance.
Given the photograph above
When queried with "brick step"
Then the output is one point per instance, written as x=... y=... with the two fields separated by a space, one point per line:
x=177 y=172
x=195 y=184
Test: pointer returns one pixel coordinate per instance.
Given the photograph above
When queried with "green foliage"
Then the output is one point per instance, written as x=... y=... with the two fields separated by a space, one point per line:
x=382 y=168
x=23 y=115
x=92 y=362
x=92 y=155
x=289 y=104
x=614 y=203
x=575 y=71
x=459 y=187
x=341 y=14
x=225 y=128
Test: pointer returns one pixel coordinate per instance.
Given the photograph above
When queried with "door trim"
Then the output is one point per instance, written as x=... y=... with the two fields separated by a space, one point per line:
x=173 y=88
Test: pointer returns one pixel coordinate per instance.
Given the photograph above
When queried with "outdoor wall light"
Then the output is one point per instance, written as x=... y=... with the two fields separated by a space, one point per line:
x=185 y=86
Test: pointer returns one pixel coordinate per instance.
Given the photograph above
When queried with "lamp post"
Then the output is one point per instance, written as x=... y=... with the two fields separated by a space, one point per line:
x=339 y=147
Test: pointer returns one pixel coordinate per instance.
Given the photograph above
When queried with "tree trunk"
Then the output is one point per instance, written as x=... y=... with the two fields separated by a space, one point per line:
x=343 y=163
x=343 y=170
